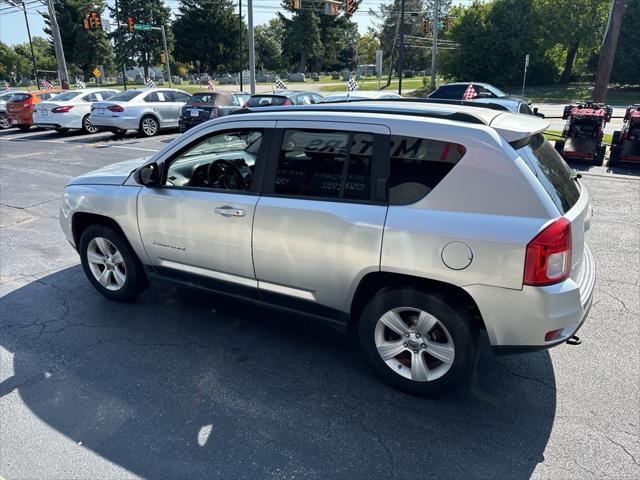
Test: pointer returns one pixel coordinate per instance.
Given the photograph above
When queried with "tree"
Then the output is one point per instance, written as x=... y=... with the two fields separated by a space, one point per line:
x=301 y=36
x=208 y=31
x=43 y=51
x=12 y=66
x=572 y=24
x=626 y=66
x=143 y=47
x=82 y=48
x=268 y=42
x=366 y=48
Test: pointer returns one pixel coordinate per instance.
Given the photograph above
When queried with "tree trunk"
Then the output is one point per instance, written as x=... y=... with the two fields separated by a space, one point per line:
x=303 y=62
x=568 y=63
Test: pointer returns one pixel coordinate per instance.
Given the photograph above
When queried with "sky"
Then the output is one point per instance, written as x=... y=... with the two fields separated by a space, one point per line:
x=13 y=28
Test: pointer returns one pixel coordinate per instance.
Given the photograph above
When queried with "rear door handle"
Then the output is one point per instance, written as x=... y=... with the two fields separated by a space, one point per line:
x=229 y=211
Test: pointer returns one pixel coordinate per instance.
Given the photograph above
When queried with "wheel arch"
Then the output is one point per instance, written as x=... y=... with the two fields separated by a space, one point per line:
x=150 y=114
x=374 y=282
x=80 y=221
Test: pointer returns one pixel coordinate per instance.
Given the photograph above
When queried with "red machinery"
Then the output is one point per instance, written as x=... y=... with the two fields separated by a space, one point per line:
x=625 y=145
x=582 y=134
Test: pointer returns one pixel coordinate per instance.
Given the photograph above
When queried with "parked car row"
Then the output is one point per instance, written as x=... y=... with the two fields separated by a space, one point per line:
x=151 y=110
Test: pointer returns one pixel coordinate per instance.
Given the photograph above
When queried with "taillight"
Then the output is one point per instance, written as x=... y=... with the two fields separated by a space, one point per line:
x=548 y=257
x=214 y=113
x=115 y=108
x=64 y=109
x=26 y=106
x=287 y=103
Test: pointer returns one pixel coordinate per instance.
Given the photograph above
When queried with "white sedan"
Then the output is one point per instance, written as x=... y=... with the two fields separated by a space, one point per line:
x=70 y=110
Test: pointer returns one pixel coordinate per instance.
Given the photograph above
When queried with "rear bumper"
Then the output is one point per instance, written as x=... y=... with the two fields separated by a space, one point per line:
x=20 y=118
x=112 y=122
x=518 y=320
x=57 y=121
x=186 y=124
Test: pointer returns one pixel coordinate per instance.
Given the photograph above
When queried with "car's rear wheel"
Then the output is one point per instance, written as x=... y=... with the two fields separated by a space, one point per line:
x=110 y=264
x=4 y=121
x=418 y=342
x=62 y=130
x=149 y=126
x=118 y=132
x=87 y=126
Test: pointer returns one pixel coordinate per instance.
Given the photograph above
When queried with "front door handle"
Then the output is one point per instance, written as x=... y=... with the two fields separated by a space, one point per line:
x=228 y=211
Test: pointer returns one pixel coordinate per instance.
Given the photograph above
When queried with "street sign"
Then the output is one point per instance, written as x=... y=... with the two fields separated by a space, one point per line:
x=96 y=72
x=526 y=61
x=142 y=26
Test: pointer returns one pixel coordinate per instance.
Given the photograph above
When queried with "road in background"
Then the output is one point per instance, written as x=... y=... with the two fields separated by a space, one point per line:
x=184 y=384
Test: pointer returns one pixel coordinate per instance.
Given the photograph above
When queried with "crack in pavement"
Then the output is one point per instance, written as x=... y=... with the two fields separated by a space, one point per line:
x=624 y=305
x=519 y=375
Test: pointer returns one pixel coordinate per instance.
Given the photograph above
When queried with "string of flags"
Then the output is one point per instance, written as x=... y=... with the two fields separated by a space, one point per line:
x=46 y=84
x=150 y=83
x=352 y=85
x=280 y=85
x=469 y=93
x=80 y=83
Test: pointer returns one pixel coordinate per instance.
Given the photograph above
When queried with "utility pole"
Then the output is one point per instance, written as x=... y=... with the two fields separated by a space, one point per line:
x=241 y=41
x=57 y=44
x=608 y=52
x=434 y=43
x=252 y=53
x=401 y=56
x=33 y=56
x=124 y=75
x=166 y=52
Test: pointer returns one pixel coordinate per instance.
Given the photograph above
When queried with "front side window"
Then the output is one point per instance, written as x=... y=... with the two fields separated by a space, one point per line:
x=154 y=97
x=524 y=108
x=418 y=165
x=223 y=161
x=125 y=96
x=63 y=97
x=325 y=164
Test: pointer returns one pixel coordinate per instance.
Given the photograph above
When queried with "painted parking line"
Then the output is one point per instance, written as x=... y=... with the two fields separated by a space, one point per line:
x=126 y=147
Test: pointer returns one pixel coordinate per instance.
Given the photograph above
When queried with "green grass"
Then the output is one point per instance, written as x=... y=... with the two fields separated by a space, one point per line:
x=407 y=84
x=553 y=135
x=578 y=92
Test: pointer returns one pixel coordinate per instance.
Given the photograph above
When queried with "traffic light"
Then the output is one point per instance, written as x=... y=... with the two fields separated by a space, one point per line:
x=85 y=22
x=426 y=25
x=350 y=7
x=296 y=4
x=131 y=24
x=95 y=22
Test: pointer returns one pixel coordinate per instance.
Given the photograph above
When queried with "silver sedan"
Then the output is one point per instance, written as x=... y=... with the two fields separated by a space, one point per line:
x=147 y=110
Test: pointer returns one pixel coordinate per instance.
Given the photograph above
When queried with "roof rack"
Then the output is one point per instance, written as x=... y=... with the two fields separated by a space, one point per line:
x=380 y=109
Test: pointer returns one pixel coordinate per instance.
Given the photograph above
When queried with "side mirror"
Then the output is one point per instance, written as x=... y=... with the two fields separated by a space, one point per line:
x=148 y=175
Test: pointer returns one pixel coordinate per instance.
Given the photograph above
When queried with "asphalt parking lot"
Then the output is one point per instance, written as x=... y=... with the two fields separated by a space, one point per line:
x=182 y=384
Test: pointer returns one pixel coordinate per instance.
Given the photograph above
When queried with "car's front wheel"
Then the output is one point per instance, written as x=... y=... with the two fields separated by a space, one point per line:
x=110 y=264
x=87 y=126
x=4 y=121
x=149 y=126
x=418 y=342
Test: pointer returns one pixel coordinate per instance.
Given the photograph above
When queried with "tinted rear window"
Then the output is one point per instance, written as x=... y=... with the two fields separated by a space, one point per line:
x=553 y=172
x=265 y=101
x=125 y=96
x=20 y=97
x=449 y=92
x=209 y=99
x=67 y=96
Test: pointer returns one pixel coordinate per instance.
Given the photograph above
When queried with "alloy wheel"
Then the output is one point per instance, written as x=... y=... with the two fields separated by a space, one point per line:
x=149 y=126
x=4 y=121
x=414 y=344
x=88 y=126
x=106 y=263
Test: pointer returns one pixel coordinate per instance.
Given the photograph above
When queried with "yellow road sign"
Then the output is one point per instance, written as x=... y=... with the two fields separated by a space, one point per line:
x=96 y=72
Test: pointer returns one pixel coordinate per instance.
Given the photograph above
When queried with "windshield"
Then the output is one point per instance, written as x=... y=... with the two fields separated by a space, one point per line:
x=125 y=96
x=495 y=90
x=203 y=98
x=20 y=97
x=63 y=97
x=265 y=100
x=552 y=171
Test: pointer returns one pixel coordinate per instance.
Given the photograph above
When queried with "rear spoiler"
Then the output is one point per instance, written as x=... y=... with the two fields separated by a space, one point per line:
x=518 y=129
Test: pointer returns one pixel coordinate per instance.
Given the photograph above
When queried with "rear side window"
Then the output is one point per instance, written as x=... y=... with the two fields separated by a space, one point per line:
x=180 y=96
x=418 y=165
x=125 y=96
x=67 y=96
x=552 y=171
x=265 y=100
x=449 y=92
x=325 y=164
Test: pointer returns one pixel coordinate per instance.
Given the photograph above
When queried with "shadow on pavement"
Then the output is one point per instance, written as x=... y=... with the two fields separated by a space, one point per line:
x=184 y=384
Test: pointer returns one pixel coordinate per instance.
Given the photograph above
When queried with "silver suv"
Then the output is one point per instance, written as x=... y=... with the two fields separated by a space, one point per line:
x=413 y=225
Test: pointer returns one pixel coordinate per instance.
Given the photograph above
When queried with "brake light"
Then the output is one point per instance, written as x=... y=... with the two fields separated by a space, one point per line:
x=214 y=113
x=287 y=103
x=26 y=106
x=548 y=256
x=115 y=108
x=64 y=109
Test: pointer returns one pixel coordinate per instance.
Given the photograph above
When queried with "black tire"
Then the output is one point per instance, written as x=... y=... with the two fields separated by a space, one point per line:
x=457 y=322
x=87 y=126
x=614 y=155
x=61 y=130
x=599 y=158
x=4 y=121
x=559 y=146
x=615 y=138
x=135 y=278
x=24 y=128
x=149 y=126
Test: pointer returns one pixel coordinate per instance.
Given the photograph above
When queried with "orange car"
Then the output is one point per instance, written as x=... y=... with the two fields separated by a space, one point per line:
x=20 y=107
